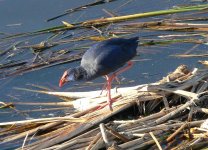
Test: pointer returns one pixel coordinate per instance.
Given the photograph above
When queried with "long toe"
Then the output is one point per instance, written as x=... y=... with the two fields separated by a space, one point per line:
x=110 y=106
x=104 y=88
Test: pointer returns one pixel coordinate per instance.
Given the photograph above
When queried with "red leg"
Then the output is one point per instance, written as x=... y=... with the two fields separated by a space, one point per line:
x=129 y=65
x=108 y=88
x=104 y=86
x=111 y=78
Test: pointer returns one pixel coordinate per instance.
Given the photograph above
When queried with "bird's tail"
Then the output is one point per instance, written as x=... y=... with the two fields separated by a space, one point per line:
x=136 y=39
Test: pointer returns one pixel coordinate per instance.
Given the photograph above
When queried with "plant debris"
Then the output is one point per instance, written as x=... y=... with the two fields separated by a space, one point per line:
x=170 y=110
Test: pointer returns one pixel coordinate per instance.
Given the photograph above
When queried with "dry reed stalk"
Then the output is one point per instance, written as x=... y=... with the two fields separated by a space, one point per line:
x=66 y=126
x=116 y=134
x=23 y=144
x=69 y=110
x=99 y=144
x=78 y=146
x=32 y=131
x=132 y=123
x=80 y=128
x=143 y=145
x=79 y=95
x=96 y=138
x=11 y=129
x=139 y=141
x=104 y=135
x=166 y=127
x=183 y=107
x=163 y=24
x=90 y=133
x=43 y=120
x=190 y=55
x=180 y=28
x=185 y=84
x=44 y=104
x=73 y=144
x=156 y=141
x=176 y=132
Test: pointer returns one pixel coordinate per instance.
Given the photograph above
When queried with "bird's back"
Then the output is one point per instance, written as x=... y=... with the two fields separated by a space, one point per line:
x=107 y=56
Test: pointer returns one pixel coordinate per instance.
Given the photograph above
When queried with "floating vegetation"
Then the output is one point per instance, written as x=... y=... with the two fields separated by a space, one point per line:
x=83 y=7
x=20 y=54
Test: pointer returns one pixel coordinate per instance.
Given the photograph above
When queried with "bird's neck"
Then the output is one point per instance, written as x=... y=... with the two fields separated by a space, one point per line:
x=80 y=73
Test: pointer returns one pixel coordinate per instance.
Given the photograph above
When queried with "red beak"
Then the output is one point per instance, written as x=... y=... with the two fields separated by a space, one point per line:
x=61 y=82
x=63 y=79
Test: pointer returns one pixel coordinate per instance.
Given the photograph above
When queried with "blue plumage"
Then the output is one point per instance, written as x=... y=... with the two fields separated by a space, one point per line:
x=102 y=59
x=107 y=56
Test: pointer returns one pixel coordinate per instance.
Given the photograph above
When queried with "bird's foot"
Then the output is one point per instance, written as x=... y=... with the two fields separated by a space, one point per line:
x=104 y=89
x=117 y=80
x=109 y=103
x=110 y=106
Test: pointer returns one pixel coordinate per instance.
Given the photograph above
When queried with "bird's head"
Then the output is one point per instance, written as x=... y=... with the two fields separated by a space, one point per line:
x=67 y=76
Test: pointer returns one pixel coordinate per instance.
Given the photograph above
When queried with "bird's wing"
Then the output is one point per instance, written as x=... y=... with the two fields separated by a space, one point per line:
x=108 y=59
x=107 y=56
x=112 y=58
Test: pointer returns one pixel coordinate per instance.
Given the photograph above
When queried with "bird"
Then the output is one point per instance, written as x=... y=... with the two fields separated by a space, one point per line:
x=107 y=58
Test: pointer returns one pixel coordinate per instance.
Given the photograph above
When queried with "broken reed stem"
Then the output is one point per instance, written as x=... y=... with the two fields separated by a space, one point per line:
x=82 y=127
x=139 y=141
x=104 y=134
x=32 y=131
x=42 y=110
x=156 y=141
x=84 y=135
x=128 y=124
x=98 y=145
x=97 y=137
x=176 y=132
x=192 y=101
x=143 y=145
x=116 y=134
x=162 y=127
x=24 y=142
x=43 y=120
x=44 y=104
x=189 y=55
x=173 y=113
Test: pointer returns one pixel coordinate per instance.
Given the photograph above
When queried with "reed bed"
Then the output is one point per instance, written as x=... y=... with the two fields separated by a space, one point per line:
x=171 y=114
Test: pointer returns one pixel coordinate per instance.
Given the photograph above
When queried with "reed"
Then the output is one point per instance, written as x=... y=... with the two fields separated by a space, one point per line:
x=80 y=129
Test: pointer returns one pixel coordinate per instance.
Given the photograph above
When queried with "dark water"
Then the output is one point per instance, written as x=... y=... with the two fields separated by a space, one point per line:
x=18 y=16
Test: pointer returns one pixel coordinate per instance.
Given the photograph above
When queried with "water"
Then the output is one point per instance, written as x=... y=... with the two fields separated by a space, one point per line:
x=30 y=15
